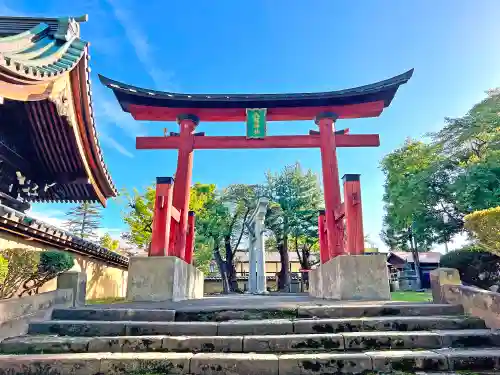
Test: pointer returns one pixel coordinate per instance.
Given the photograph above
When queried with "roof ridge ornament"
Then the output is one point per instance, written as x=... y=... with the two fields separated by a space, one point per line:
x=69 y=27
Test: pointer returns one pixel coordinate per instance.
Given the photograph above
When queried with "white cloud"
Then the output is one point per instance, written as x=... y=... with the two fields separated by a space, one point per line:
x=143 y=49
x=113 y=143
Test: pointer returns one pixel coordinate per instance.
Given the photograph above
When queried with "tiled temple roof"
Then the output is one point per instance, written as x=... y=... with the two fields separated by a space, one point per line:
x=45 y=86
x=22 y=225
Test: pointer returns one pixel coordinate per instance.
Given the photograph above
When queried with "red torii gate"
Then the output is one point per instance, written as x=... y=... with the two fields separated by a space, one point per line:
x=173 y=226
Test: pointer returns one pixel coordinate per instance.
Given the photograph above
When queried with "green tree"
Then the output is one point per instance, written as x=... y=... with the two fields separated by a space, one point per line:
x=109 y=243
x=435 y=185
x=295 y=198
x=22 y=264
x=485 y=225
x=52 y=264
x=138 y=215
x=476 y=266
x=84 y=220
x=417 y=194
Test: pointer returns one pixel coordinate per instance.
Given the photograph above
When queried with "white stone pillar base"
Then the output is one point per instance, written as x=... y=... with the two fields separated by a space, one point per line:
x=154 y=279
x=351 y=277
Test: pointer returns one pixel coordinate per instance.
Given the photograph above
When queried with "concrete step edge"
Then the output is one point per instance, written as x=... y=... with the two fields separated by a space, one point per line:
x=115 y=314
x=250 y=363
x=295 y=343
x=262 y=327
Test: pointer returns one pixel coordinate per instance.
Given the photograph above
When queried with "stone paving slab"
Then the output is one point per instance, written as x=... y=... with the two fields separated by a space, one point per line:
x=126 y=344
x=44 y=344
x=372 y=310
x=293 y=343
x=261 y=327
x=78 y=328
x=113 y=314
x=472 y=359
x=346 y=341
x=172 y=328
x=365 y=341
x=324 y=363
x=199 y=344
x=53 y=364
x=421 y=323
x=234 y=364
x=145 y=363
x=247 y=327
x=408 y=361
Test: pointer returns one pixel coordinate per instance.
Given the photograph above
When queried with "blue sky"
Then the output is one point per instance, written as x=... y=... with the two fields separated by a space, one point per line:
x=280 y=46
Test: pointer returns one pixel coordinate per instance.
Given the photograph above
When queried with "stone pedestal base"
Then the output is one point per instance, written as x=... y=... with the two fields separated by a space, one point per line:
x=153 y=279
x=351 y=277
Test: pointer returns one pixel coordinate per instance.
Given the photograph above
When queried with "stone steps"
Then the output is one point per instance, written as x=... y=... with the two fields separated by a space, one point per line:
x=345 y=342
x=355 y=338
x=219 y=315
x=250 y=327
x=402 y=362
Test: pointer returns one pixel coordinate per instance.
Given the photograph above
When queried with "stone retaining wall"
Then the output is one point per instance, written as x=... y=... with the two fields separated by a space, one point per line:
x=103 y=281
x=484 y=304
x=15 y=314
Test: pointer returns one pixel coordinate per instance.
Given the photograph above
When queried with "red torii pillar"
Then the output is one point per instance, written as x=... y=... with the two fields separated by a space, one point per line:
x=183 y=174
x=355 y=244
x=162 y=215
x=331 y=184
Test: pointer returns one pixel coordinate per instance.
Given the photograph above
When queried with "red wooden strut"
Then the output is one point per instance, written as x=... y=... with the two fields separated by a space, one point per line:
x=323 y=241
x=161 y=217
x=190 y=239
x=355 y=243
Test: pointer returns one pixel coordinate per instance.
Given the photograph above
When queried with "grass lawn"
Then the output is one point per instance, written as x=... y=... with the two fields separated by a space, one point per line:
x=412 y=296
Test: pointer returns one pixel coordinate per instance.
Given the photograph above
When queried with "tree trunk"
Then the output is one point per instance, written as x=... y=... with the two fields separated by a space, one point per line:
x=222 y=270
x=305 y=263
x=231 y=269
x=416 y=260
x=284 y=274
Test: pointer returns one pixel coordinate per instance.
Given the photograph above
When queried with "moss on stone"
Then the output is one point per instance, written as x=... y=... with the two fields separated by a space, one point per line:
x=323 y=343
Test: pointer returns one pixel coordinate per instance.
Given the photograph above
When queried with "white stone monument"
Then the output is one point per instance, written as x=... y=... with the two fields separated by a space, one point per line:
x=256 y=249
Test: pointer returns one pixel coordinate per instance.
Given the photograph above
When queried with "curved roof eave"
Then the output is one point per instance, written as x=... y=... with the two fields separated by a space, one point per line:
x=102 y=174
x=382 y=90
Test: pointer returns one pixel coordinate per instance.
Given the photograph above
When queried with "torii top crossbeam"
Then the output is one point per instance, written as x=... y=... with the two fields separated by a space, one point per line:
x=363 y=101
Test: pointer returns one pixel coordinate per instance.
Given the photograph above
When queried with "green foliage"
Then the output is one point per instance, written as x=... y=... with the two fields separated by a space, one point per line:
x=4 y=268
x=139 y=216
x=109 y=243
x=485 y=225
x=476 y=266
x=295 y=198
x=433 y=186
x=52 y=263
x=22 y=263
x=84 y=220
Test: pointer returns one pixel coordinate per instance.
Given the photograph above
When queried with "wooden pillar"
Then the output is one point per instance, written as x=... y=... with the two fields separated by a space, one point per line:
x=188 y=257
x=323 y=241
x=331 y=184
x=161 y=217
x=355 y=243
x=183 y=175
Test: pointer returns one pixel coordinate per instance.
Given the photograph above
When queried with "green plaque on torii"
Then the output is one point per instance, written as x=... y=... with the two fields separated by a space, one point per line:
x=256 y=123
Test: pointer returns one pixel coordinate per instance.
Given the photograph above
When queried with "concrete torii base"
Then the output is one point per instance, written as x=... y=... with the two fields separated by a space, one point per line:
x=351 y=277
x=154 y=279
